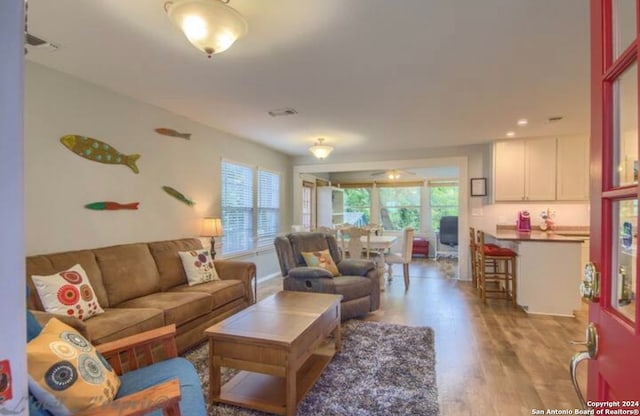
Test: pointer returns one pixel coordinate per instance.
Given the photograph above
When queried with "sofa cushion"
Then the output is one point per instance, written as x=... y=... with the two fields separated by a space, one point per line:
x=352 y=287
x=128 y=272
x=66 y=373
x=118 y=323
x=53 y=263
x=221 y=291
x=198 y=265
x=68 y=293
x=191 y=400
x=178 y=307
x=165 y=254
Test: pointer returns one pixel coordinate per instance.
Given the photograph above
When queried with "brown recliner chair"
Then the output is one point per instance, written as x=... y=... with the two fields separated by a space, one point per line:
x=358 y=283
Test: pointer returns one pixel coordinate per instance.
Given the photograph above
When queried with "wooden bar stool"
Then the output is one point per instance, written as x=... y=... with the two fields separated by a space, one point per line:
x=503 y=264
x=473 y=256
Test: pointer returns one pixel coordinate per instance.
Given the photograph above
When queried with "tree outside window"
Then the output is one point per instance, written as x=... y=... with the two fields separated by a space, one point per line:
x=400 y=207
x=357 y=206
x=443 y=200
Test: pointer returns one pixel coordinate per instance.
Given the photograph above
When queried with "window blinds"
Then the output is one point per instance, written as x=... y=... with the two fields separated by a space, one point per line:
x=237 y=207
x=268 y=221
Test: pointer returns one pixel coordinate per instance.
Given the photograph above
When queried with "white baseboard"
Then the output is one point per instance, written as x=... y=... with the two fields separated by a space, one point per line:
x=268 y=277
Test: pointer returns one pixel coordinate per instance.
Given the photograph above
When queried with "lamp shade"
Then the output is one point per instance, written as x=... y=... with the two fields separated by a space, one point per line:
x=320 y=150
x=210 y=25
x=211 y=227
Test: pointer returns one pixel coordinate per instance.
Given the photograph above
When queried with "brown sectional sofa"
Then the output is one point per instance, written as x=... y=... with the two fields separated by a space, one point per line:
x=143 y=286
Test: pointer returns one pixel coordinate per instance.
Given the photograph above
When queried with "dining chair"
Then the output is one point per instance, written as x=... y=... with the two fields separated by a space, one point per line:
x=403 y=256
x=352 y=243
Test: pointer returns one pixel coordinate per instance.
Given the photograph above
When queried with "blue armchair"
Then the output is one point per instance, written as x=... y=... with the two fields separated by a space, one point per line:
x=165 y=386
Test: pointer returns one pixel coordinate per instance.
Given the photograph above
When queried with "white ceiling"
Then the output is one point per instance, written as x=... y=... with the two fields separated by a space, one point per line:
x=365 y=74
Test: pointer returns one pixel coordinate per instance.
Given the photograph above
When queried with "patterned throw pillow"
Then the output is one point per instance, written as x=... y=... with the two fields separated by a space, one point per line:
x=321 y=259
x=68 y=293
x=198 y=266
x=66 y=373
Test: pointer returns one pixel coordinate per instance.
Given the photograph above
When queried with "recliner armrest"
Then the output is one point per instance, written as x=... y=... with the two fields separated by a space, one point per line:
x=354 y=267
x=309 y=272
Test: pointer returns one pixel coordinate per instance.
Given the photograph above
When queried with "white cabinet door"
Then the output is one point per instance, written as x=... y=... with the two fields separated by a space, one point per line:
x=540 y=169
x=509 y=170
x=573 y=169
x=324 y=207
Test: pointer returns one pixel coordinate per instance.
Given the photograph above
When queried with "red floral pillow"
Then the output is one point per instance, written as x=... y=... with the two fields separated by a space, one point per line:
x=69 y=293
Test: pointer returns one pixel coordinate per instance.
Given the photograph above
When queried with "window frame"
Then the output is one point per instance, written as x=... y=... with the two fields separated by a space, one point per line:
x=257 y=241
x=441 y=184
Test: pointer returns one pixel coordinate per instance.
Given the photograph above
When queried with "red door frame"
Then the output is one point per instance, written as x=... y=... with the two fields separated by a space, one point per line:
x=615 y=373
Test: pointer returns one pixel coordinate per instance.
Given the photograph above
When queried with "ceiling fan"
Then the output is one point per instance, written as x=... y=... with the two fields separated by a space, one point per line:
x=393 y=174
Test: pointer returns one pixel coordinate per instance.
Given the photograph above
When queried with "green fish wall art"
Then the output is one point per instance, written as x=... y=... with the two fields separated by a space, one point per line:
x=177 y=195
x=98 y=151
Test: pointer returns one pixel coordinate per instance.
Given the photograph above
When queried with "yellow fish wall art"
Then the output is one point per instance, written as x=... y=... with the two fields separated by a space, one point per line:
x=98 y=151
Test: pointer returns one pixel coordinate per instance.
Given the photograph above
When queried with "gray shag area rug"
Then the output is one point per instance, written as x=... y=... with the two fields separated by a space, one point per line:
x=383 y=369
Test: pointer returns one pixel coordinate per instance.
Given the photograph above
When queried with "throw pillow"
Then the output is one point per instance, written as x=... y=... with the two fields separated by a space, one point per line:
x=322 y=259
x=198 y=266
x=68 y=293
x=66 y=373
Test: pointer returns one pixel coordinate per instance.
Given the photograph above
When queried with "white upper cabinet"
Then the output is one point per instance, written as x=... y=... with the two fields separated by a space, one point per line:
x=509 y=170
x=545 y=169
x=573 y=168
x=540 y=169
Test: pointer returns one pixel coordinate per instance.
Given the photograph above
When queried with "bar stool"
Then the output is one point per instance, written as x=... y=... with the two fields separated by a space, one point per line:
x=503 y=273
x=474 y=255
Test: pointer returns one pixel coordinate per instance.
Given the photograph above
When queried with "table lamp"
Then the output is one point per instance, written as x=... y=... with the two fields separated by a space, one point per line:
x=212 y=227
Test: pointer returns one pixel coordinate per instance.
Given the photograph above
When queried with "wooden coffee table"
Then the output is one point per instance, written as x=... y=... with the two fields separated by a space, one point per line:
x=281 y=345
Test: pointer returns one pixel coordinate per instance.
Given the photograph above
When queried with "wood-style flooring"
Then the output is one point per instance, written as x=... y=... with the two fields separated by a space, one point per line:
x=491 y=359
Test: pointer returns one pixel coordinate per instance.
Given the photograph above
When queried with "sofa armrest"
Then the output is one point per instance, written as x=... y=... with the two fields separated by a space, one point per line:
x=75 y=323
x=164 y=396
x=309 y=272
x=354 y=267
x=140 y=350
x=239 y=270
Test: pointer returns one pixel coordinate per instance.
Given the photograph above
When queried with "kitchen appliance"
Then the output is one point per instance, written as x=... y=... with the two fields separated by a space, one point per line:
x=523 y=223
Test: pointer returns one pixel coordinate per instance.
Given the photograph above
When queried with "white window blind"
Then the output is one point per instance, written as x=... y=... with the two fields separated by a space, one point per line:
x=268 y=221
x=237 y=208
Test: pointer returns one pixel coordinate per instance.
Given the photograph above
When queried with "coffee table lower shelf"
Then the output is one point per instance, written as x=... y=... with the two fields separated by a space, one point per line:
x=267 y=392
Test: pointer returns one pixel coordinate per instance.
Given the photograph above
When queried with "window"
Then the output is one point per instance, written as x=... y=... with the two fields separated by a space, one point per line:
x=307 y=190
x=268 y=207
x=357 y=206
x=400 y=207
x=443 y=200
x=243 y=230
x=237 y=207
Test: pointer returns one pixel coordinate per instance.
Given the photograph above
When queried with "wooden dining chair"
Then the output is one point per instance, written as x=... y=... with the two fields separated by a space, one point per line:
x=497 y=270
x=402 y=257
x=352 y=243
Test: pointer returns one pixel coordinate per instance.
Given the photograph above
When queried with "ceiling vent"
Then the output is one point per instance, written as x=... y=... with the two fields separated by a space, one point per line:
x=282 y=112
x=36 y=42
x=554 y=119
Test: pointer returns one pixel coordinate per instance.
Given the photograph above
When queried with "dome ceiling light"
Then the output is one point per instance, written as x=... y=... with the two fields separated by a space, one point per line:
x=210 y=25
x=320 y=150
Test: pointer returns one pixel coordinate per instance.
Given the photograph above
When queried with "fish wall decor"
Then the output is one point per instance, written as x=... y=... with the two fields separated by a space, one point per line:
x=173 y=133
x=111 y=206
x=177 y=195
x=98 y=151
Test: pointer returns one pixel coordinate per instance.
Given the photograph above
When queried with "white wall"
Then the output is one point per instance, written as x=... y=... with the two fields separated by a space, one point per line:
x=13 y=294
x=59 y=183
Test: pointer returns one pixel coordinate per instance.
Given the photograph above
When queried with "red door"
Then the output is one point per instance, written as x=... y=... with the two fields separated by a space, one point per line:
x=614 y=370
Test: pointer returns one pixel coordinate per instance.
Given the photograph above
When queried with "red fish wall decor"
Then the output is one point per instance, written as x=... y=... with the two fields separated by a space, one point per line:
x=173 y=133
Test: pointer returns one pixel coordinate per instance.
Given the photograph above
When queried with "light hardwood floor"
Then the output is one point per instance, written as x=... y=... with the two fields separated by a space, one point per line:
x=491 y=359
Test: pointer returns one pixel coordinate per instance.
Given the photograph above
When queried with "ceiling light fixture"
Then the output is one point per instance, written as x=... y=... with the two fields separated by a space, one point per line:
x=523 y=122
x=210 y=25
x=320 y=150
x=511 y=133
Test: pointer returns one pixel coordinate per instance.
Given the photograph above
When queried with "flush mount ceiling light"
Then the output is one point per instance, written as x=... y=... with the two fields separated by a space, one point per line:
x=511 y=134
x=210 y=25
x=523 y=122
x=320 y=150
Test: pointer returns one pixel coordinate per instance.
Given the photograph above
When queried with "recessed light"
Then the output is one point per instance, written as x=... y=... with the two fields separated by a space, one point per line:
x=511 y=133
x=523 y=122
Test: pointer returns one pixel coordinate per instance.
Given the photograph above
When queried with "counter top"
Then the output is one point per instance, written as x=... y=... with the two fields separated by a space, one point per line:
x=543 y=236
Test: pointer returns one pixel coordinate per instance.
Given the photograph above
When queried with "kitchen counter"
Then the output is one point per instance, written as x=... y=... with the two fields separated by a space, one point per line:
x=544 y=236
x=549 y=267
